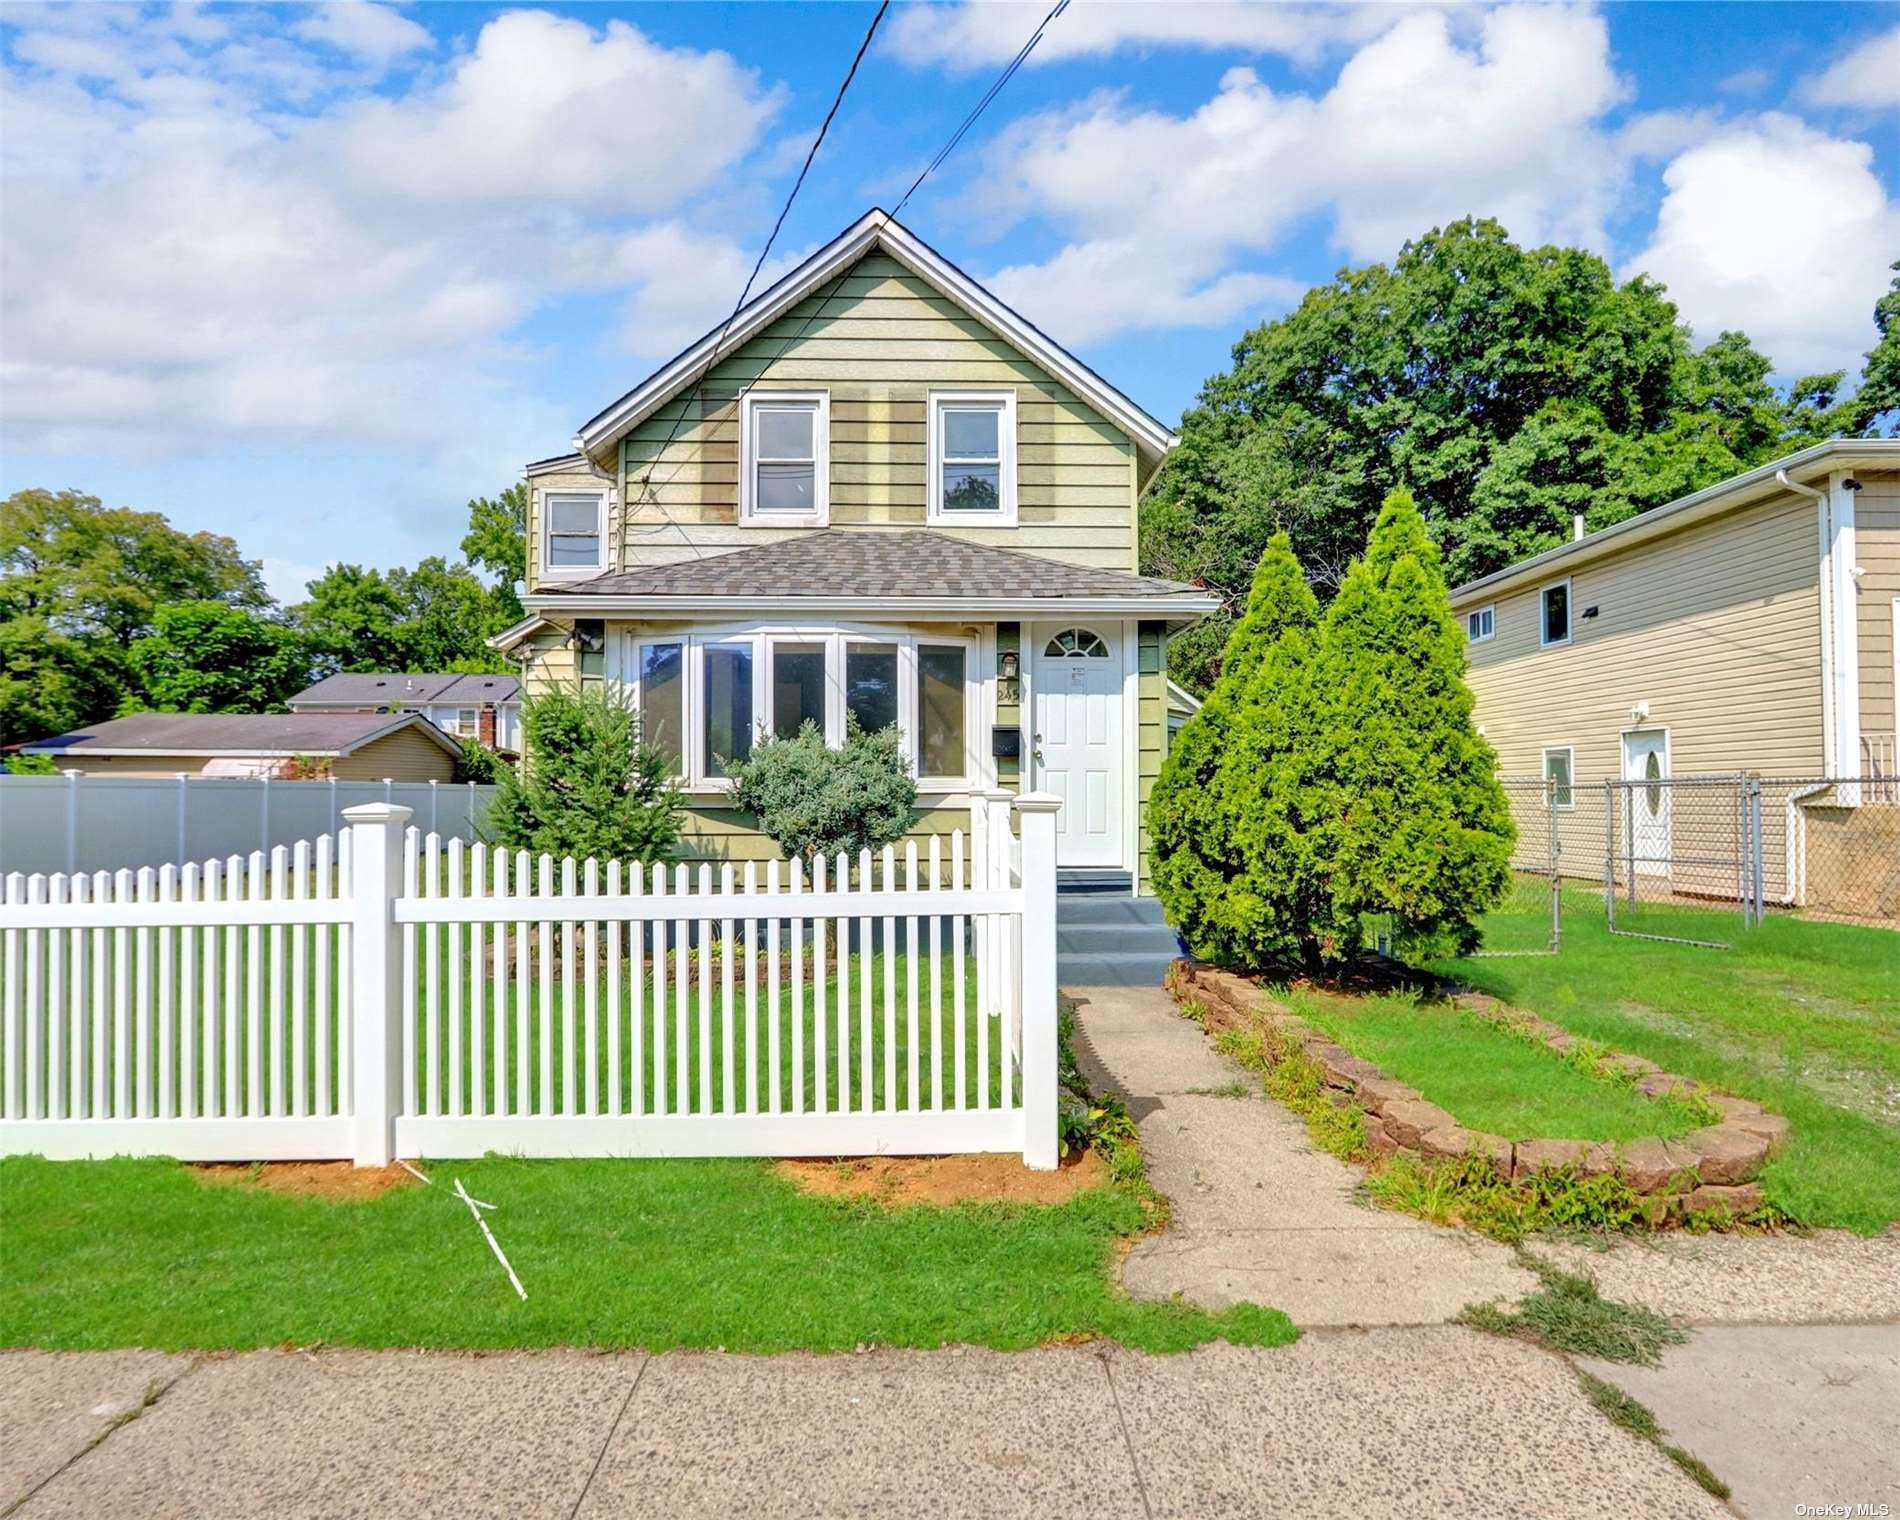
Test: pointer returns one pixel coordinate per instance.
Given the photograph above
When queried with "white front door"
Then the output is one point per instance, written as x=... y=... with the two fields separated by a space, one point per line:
x=1076 y=744
x=1646 y=807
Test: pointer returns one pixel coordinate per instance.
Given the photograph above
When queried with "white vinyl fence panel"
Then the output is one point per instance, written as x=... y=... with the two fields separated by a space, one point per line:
x=402 y=993
x=79 y=823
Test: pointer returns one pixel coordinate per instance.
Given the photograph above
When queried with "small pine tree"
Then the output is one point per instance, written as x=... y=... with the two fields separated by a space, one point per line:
x=589 y=787
x=1409 y=817
x=1211 y=819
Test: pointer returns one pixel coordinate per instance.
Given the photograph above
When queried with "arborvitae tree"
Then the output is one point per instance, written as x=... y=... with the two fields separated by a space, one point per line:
x=589 y=786
x=1410 y=819
x=1211 y=819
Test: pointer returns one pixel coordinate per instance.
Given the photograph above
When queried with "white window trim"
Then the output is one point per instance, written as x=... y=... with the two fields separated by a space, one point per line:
x=1485 y=638
x=1569 y=751
x=1005 y=514
x=762 y=638
x=820 y=514
x=1570 y=614
x=555 y=572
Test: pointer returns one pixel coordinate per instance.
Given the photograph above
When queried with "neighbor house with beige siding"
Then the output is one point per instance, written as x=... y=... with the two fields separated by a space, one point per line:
x=288 y=746
x=877 y=493
x=1748 y=628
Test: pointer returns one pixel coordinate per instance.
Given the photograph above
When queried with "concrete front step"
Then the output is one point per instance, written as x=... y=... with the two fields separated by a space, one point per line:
x=1108 y=939
x=1072 y=911
x=1119 y=969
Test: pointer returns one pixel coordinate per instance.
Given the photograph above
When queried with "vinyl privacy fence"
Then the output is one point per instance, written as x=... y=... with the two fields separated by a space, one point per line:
x=74 y=822
x=388 y=992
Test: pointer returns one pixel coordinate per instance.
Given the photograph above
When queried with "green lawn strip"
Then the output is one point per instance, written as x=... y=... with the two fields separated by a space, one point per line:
x=1486 y=1079
x=1804 y=1018
x=653 y=1254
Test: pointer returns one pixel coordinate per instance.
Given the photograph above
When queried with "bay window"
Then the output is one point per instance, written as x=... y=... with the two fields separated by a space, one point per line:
x=784 y=458
x=706 y=698
x=972 y=458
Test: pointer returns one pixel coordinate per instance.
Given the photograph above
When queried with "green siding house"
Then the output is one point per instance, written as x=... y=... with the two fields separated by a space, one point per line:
x=878 y=492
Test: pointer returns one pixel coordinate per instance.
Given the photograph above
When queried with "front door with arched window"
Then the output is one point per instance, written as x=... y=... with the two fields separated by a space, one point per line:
x=1076 y=745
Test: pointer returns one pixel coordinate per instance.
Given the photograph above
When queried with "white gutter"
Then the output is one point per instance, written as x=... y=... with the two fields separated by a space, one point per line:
x=959 y=608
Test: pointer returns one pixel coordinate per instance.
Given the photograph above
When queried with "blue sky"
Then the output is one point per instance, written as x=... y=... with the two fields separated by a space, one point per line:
x=314 y=275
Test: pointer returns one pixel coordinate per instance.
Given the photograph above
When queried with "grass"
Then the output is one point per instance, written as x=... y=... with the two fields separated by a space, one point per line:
x=1567 y=1313
x=653 y=1254
x=1802 y=1017
x=1484 y=1077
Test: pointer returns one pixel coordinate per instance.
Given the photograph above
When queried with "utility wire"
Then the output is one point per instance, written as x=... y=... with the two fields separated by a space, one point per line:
x=785 y=210
x=988 y=95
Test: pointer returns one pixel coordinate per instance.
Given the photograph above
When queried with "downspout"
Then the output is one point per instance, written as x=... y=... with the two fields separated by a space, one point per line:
x=1824 y=579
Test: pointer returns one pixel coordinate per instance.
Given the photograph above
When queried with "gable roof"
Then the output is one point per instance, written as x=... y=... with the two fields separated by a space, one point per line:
x=875 y=231
x=1737 y=491
x=236 y=734
x=839 y=569
x=385 y=688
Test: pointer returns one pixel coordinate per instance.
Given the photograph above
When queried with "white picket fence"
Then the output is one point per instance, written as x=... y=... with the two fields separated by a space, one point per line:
x=389 y=993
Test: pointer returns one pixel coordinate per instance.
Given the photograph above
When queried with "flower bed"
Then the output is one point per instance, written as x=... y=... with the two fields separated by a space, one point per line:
x=1710 y=1170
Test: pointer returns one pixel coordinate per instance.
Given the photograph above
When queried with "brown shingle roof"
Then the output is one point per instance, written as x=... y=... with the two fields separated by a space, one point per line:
x=848 y=563
x=371 y=689
x=232 y=733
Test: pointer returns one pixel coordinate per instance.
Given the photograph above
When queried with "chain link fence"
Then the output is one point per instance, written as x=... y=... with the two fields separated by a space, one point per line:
x=1697 y=859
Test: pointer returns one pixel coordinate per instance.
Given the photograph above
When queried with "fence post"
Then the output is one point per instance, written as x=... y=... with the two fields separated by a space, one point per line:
x=184 y=838
x=376 y=830
x=263 y=809
x=470 y=818
x=1609 y=854
x=435 y=793
x=1038 y=998
x=72 y=821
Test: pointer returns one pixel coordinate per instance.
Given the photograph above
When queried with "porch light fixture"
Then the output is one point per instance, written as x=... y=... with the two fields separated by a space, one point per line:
x=1008 y=671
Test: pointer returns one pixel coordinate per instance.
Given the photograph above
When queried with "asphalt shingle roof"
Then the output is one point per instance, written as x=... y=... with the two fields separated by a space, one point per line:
x=387 y=688
x=234 y=733
x=845 y=563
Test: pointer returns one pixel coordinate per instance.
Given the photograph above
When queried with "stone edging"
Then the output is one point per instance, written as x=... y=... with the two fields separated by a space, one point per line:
x=1724 y=1157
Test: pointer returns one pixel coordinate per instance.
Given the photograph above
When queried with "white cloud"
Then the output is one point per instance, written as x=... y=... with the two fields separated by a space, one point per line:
x=233 y=236
x=1868 y=77
x=980 y=35
x=1781 y=231
x=1418 y=129
x=373 y=32
x=288 y=580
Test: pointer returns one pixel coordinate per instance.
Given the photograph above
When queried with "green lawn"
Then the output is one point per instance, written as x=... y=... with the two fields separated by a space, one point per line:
x=1486 y=1079
x=653 y=1254
x=1802 y=1017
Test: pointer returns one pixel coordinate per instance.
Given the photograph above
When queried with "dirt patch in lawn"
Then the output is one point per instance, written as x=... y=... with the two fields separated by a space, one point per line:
x=903 y=1181
x=308 y=1179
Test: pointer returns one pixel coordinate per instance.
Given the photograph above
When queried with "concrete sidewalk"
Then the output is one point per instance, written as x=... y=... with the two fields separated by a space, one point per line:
x=1437 y=1421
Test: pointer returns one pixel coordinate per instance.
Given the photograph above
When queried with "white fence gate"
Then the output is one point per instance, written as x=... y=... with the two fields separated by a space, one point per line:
x=388 y=994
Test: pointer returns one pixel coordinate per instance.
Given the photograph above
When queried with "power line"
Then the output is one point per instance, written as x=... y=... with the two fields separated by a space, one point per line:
x=824 y=127
x=988 y=95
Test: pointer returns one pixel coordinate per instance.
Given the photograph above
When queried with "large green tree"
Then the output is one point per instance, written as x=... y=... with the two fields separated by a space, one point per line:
x=80 y=582
x=208 y=657
x=497 y=541
x=435 y=617
x=1509 y=387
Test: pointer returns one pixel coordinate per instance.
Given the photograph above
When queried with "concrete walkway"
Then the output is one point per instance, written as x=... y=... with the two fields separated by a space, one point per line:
x=1437 y=1421
x=1259 y=1212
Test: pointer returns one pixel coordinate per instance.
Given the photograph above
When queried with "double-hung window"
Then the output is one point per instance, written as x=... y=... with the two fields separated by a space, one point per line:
x=1560 y=762
x=576 y=532
x=972 y=458
x=784 y=458
x=1553 y=614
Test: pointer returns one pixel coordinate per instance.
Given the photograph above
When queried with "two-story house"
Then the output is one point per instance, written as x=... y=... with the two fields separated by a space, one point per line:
x=877 y=492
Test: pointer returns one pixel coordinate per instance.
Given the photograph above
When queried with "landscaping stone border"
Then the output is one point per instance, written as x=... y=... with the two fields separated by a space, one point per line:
x=1722 y=1159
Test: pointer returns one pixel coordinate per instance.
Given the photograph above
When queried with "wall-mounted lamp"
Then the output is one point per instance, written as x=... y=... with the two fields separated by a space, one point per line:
x=1009 y=676
x=1589 y=612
